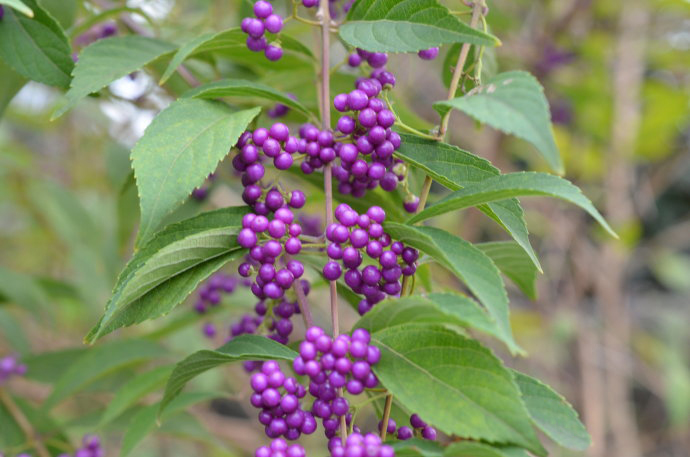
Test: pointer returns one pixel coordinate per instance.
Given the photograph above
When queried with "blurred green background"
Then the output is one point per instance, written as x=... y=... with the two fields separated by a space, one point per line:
x=610 y=327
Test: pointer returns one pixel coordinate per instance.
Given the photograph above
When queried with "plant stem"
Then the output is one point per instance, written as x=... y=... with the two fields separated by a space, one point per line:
x=303 y=304
x=459 y=67
x=24 y=424
x=426 y=187
x=386 y=416
x=325 y=17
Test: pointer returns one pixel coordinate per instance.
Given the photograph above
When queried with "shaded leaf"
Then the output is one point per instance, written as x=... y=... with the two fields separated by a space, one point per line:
x=36 y=47
x=444 y=376
x=98 y=362
x=552 y=413
x=144 y=422
x=406 y=26
x=468 y=263
x=135 y=390
x=105 y=61
x=178 y=151
x=513 y=262
x=519 y=184
x=243 y=88
x=12 y=82
x=471 y=449
x=22 y=290
x=454 y=168
x=513 y=102
x=243 y=347
x=436 y=308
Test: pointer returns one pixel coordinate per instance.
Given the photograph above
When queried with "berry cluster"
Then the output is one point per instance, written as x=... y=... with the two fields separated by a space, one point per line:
x=210 y=294
x=357 y=445
x=91 y=447
x=317 y=146
x=279 y=448
x=332 y=364
x=374 y=59
x=366 y=129
x=265 y=20
x=428 y=54
x=278 y=398
x=10 y=366
x=405 y=433
x=356 y=233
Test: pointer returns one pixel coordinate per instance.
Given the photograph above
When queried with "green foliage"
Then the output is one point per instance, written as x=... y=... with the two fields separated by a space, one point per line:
x=406 y=26
x=513 y=102
x=552 y=414
x=243 y=347
x=135 y=390
x=441 y=375
x=180 y=148
x=98 y=362
x=468 y=263
x=514 y=263
x=455 y=169
x=36 y=47
x=144 y=421
x=169 y=267
x=436 y=308
x=243 y=88
x=104 y=61
x=518 y=184
x=19 y=6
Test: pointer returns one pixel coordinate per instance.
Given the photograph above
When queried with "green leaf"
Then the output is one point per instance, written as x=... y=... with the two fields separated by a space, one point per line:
x=22 y=290
x=47 y=367
x=552 y=413
x=100 y=361
x=471 y=449
x=407 y=26
x=453 y=383
x=12 y=82
x=19 y=6
x=519 y=184
x=135 y=390
x=145 y=420
x=107 y=60
x=167 y=278
x=178 y=151
x=417 y=447
x=514 y=103
x=436 y=308
x=231 y=41
x=513 y=262
x=468 y=263
x=454 y=168
x=244 y=347
x=243 y=88
x=36 y=47
x=12 y=434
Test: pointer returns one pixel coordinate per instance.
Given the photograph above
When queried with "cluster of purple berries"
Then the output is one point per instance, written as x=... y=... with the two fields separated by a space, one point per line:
x=278 y=397
x=356 y=233
x=374 y=59
x=210 y=294
x=419 y=427
x=358 y=445
x=265 y=20
x=333 y=6
x=366 y=127
x=271 y=280
x=10 y=366
x=334 y=363
x=280 y=448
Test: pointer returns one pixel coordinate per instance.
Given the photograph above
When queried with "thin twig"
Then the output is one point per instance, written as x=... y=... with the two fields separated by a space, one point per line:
x=386 y=416
x=303 y=304
x=459 y=67
x=21 y=420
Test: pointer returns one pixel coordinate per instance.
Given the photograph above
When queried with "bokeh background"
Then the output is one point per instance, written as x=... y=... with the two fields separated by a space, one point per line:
x=609 y=329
